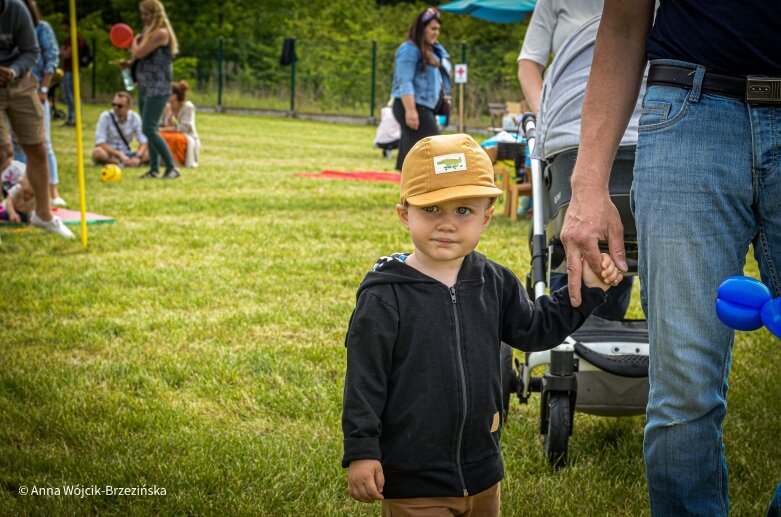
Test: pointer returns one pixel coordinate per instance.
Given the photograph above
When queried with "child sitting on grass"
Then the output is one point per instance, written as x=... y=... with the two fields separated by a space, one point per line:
x=423 y=396
x=19 y=201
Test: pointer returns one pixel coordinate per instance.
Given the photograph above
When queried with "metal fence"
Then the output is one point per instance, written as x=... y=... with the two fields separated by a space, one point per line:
x=349 y=79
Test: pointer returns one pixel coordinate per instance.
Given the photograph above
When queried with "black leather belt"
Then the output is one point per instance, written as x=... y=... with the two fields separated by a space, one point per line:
x=753 y=89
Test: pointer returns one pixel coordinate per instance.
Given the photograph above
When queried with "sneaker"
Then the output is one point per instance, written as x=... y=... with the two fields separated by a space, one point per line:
x=150 y=175
x=171 y=174
x=58 y=201
x=54 y=226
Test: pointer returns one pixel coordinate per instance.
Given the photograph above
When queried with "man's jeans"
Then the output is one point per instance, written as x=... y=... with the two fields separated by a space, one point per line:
x=706 y=185
x=67 y=96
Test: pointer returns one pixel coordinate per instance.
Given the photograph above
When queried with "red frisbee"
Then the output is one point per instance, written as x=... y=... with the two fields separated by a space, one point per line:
x=121 y=35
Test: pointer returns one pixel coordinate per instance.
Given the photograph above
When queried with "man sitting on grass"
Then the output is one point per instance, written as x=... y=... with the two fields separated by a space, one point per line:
x=114 y=134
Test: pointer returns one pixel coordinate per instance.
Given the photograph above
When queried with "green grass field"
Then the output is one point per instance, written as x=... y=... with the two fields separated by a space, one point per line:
x=197 y=345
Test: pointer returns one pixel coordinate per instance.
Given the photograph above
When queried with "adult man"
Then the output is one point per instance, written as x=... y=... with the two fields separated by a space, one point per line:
x=706 y=185
x=20 y=103
x=114 y=134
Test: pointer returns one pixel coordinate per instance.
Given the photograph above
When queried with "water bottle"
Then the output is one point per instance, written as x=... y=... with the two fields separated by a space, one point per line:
x=128 y=79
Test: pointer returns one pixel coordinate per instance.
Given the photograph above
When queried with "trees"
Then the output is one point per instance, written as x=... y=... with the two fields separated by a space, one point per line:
x=334 y=44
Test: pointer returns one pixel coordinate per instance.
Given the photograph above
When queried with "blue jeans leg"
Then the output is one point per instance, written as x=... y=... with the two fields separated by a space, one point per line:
x=702 y=171
x=67 y=96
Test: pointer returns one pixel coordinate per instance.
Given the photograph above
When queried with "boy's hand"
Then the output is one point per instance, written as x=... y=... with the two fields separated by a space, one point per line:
x=607 y=278
x=365 y=480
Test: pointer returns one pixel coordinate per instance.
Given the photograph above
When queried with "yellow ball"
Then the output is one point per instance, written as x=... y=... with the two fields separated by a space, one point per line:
x=111 y=172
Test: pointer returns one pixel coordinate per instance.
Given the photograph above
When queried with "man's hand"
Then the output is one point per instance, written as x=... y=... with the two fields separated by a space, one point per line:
x=135 y=161
x=365 y=480
x=591 y=217
x=6 y=75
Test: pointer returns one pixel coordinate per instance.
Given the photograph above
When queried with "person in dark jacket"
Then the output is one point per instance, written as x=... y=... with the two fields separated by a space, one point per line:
x=422 y=396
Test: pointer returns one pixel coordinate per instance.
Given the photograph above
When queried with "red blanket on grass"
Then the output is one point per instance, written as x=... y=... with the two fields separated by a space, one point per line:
x=73 y=217
x=375 y=176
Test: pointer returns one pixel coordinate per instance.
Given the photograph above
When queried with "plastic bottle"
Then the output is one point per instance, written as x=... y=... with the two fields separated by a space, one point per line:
x=127 y=78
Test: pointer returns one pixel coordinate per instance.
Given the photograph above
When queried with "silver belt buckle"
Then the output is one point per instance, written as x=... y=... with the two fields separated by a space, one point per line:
x=763 y=90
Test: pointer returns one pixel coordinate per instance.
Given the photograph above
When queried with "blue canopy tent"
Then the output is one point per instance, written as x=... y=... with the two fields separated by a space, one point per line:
x=499 y=11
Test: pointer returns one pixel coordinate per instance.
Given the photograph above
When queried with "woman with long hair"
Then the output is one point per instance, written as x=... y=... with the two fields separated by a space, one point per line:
x=178 y=127
x=154 y=50
x=421 y=81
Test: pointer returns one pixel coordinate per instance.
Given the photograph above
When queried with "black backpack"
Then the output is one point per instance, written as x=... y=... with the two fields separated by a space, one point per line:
x=85 y=56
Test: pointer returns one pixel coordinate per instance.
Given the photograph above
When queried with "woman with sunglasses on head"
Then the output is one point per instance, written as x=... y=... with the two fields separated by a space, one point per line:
x=154 y=51
x=421 y=81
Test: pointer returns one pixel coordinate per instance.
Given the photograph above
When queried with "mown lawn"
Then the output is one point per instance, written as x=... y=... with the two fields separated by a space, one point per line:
x=197 y=345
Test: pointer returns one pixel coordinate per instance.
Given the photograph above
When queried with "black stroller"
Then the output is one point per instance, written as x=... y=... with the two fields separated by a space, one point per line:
x=602 y=368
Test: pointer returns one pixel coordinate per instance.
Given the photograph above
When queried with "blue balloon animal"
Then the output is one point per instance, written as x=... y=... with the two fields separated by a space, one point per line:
x=745 y=303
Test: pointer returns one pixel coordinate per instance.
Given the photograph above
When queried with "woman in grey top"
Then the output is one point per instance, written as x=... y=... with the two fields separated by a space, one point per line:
x=154 y=49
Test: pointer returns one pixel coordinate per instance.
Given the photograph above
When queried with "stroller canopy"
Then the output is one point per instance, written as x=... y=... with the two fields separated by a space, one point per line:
x=558 y=123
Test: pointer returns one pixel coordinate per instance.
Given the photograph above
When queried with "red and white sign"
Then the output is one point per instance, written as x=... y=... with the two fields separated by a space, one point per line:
x=460 y=73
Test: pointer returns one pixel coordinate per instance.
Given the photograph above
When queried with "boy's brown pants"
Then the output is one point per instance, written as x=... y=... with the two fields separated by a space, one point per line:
x=484 y=504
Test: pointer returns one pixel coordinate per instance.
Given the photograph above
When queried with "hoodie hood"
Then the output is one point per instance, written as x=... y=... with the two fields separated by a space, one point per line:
x=392 y=270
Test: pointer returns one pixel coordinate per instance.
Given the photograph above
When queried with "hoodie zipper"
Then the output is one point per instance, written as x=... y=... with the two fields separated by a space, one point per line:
x=463 y=389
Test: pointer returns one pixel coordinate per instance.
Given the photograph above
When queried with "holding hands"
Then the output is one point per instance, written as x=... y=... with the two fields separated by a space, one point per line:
x=591 y=217
x=609 y=275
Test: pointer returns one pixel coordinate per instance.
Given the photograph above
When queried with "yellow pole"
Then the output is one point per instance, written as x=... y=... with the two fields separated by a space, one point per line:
x=77 y=105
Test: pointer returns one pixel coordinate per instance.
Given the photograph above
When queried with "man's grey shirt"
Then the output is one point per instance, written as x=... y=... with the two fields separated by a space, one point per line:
x=18 y=43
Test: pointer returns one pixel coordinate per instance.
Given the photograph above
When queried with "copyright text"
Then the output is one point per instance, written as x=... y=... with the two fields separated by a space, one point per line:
x=92 y=490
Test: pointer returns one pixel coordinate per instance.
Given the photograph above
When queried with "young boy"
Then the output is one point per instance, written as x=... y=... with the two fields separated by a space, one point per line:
x=422 y=396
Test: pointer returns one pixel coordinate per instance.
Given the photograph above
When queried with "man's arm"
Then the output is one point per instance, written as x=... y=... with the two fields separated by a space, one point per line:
x=138 y=129
x=26 y=41
x=530 y=79
x=611 y=94
x=110 y=151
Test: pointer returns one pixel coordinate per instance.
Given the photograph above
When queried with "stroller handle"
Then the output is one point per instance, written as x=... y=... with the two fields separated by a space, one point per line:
x=529 y=124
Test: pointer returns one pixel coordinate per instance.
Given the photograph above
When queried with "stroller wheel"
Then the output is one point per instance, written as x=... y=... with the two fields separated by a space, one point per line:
x=559 y=428
x=509 y=378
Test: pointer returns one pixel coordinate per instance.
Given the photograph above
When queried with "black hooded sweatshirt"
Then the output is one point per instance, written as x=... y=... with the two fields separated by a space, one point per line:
x=423 y=393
